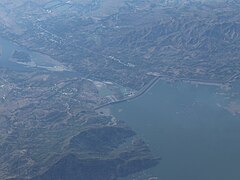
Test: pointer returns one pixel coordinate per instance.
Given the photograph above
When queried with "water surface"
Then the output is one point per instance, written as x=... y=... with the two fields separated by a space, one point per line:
x=185 y=125
x=38 y=60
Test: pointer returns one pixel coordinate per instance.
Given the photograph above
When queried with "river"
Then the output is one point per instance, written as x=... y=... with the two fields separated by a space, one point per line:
x=187 y=127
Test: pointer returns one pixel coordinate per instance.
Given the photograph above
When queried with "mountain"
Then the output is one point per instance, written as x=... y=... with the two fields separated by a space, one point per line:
x=84 y=55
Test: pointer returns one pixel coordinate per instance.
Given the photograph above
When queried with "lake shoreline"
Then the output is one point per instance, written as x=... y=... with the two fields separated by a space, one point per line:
x=154 y=81
x=183 y=124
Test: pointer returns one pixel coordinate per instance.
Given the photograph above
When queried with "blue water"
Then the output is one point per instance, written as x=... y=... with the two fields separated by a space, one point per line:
x=7 y=48
x=185 y=126
x=40 y=60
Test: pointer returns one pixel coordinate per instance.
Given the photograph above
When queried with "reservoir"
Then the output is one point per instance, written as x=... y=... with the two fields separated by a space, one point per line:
x=187 y=126
x=6 y=50
x=38 y=60
x=184 y=124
